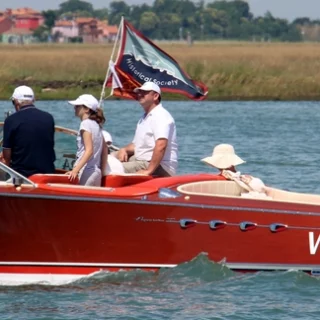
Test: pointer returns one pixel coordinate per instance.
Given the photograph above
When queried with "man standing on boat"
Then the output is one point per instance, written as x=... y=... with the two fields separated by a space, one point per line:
x=154 y=149
x=28 y=136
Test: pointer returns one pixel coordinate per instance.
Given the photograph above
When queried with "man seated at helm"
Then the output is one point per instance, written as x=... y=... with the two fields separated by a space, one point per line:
x=154 y=149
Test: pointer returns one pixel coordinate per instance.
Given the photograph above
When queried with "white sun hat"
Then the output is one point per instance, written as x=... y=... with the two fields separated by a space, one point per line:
x=223 y=157
x=149 y=86
x=107 y=137
x=23 y=93
x=87 y=100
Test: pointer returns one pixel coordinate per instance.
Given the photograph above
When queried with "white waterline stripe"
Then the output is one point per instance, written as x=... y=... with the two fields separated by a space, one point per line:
x=271 y=266
x=97 y=265
x=17 y=279
x=235 y=266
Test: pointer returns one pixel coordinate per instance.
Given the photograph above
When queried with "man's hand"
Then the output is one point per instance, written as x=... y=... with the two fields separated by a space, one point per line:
x=2 y=159
x=6 y=156
x=145 y=172
x=122 y=155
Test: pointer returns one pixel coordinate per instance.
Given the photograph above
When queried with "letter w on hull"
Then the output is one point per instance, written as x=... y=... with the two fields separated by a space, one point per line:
x=312 y=245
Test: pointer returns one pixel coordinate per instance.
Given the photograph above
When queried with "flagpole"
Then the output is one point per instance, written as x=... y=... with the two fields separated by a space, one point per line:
x=111 y=58
x=117 y=38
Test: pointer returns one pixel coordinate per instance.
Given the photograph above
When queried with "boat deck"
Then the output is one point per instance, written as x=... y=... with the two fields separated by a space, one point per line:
x=232 y=189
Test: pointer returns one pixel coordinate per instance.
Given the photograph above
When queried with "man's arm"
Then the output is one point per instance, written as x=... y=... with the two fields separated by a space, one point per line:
x=104 y=157
x=8 y=133
x=6 y=156
x=157 y=156
x=125 y=152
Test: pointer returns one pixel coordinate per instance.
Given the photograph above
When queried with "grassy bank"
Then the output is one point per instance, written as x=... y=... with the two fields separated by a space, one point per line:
x=244 y=71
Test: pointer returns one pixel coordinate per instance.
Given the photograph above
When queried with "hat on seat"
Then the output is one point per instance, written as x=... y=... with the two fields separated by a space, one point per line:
x=107 y=137
x=223 y=157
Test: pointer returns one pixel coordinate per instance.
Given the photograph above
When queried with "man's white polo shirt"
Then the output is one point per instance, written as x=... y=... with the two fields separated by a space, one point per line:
x=158 y=123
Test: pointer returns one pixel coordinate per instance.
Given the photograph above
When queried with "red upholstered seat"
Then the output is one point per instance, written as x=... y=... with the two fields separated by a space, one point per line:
x=121 y=180
x=52 y=178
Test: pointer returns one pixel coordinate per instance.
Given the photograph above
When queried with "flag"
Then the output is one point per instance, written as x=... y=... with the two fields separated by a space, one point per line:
x=122 y=85
x=140 y=60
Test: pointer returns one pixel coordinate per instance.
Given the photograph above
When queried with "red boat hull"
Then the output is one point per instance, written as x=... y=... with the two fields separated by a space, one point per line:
x=54 y=231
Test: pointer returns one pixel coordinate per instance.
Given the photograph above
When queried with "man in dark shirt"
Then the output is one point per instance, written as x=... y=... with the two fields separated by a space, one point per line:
x=28 y=136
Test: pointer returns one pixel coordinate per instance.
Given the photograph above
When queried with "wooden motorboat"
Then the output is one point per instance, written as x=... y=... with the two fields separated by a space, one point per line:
x=52 y=229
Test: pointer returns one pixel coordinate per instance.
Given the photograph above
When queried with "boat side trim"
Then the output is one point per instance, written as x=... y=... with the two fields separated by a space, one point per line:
x=231 y=265
x=271 y=267
x=80 y=264
x=158 y=203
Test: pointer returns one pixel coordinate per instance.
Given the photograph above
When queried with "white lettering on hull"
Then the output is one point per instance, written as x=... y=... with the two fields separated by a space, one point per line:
x=312 y=245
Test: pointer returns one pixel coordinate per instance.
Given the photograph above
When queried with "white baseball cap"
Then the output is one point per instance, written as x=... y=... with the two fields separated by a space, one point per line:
x=149 y=86
x=107 y=136
x=23 y=93
x=87 y=100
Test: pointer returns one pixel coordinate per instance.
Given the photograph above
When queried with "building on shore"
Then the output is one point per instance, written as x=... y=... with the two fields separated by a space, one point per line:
x=86 y=30
x=17 y=26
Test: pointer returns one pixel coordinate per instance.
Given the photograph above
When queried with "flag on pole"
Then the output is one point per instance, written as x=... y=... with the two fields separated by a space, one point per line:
x=140 y=60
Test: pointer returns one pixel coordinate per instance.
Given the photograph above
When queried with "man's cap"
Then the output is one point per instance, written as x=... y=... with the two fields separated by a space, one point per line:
x=23 y=93
x=149 y=86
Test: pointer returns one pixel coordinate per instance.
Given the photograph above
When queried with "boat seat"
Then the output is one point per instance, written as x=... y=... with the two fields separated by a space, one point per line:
x=211 y=188
x=288 y=196
x=231 y=188
x=122 y=180
x=52 y=178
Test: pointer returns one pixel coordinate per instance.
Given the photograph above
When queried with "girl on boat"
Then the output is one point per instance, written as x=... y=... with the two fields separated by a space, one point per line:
x=92 y=152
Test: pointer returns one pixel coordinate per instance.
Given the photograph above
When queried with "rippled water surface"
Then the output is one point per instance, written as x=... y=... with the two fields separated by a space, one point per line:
x=280 y=143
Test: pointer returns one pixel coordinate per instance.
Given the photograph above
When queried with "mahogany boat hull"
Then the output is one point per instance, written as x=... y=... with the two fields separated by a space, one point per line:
x=48 y=232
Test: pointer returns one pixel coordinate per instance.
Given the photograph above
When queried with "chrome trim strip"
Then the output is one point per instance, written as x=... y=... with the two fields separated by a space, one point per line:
x=278 y=227
x=187 y=223
x=225 y=224
x=247 y=226
x=82 y=198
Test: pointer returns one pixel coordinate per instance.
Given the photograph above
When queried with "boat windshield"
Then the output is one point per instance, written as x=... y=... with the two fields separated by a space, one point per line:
x=65 y=148
x=10 y=176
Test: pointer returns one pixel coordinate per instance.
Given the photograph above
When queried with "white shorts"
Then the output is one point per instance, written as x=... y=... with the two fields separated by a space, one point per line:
x=91 y=177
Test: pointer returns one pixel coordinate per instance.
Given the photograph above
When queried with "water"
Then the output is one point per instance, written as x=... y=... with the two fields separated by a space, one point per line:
x=279 y=141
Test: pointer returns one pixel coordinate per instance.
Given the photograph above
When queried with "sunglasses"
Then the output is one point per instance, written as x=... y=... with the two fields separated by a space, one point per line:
x=143 y=92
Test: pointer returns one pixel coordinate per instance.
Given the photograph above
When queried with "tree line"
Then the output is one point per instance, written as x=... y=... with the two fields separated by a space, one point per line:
x=175 y=19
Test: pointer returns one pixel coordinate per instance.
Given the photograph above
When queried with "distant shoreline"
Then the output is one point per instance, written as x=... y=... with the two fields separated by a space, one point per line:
x=239 y=71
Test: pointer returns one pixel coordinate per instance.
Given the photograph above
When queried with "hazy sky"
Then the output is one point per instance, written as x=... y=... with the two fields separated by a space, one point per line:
x=288 y=9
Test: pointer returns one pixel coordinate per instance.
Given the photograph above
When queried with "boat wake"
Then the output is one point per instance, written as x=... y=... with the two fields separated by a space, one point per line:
x=200 y=269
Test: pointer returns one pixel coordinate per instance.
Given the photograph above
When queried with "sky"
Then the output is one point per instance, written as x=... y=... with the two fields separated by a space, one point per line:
x=288 y=9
